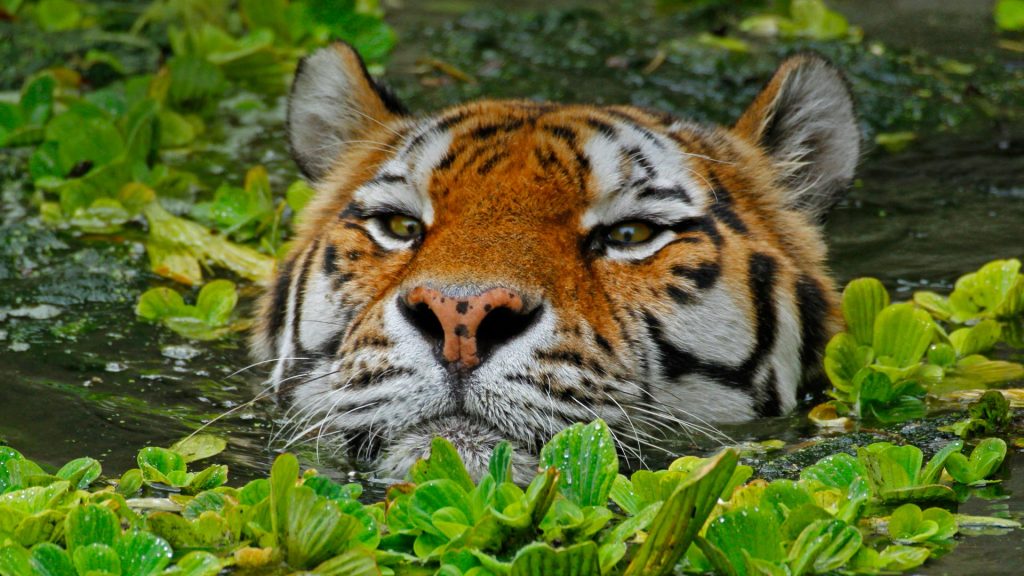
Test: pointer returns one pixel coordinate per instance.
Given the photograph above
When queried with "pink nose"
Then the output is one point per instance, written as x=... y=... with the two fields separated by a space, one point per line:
x=460 y=318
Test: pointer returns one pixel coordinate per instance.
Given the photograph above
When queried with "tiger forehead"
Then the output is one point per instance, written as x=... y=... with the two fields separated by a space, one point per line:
x=575 y=155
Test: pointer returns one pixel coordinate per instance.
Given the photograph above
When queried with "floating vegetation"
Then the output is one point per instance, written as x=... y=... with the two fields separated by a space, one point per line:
x=578 y=515
x=892 y=355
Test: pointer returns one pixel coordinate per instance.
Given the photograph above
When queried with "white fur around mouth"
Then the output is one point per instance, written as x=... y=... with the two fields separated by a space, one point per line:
x=473 y=440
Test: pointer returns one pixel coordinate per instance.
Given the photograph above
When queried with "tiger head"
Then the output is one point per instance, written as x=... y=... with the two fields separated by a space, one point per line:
x=501 y=269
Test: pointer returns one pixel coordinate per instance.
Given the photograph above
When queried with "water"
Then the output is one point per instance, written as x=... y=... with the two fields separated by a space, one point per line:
x=94 y=381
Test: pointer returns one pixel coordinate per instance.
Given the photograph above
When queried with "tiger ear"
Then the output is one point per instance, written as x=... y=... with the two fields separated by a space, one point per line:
x=804 y=119
x=333 y=101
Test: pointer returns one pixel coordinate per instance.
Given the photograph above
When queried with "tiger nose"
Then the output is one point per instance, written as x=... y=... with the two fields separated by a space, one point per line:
x=468 y=327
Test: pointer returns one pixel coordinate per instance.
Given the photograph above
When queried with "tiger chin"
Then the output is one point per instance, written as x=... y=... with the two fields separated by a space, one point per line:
x=501 y=269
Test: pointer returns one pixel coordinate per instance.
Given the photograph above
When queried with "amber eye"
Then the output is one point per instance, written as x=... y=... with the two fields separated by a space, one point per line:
x=402 y=226
x=630 y=233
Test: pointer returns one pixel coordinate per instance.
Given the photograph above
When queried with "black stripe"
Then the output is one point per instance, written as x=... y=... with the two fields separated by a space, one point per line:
x=603 y=127
x=487 y=165
x=570 y=356
x=770 y=403
x=761 y=275
x=704 y=275
x=636 y=156
x=564 y=133
x=677 y=362
x=682 y=297
x=636 y=125
x=449 y=122
x=300 y=291
x=279 y=299
x=659 y=193
x=366 y=233
x=448 y=160
x=387 y=179
x=330 y=260
x=722 y=209
x=332 y=346
x=813 y=307
x=484 y=132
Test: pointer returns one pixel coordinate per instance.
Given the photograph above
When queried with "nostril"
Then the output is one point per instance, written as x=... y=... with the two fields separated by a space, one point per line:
x=502 y=325
x=466 y=328
x=422 y=317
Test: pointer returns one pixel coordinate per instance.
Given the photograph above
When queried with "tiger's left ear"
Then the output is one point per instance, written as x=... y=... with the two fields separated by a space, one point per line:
x=805 y=121
x=334 y=102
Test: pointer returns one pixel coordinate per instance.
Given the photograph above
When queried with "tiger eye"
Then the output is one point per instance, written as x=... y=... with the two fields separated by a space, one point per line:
x=630 y=233
x=404 y=226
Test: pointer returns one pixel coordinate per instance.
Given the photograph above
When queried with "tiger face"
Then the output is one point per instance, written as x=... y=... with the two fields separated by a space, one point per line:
x=501 y=269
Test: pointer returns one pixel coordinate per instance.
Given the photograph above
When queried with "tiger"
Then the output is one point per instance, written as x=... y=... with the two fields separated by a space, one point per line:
x=500 y=269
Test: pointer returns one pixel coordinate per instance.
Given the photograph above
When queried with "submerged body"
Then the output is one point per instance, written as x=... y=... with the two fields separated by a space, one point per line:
x=501 y=269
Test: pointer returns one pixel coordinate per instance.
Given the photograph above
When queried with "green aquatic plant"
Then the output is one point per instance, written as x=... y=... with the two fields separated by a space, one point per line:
x=985 y=459
x=995 y=291
x=699 y=515
x=208 y=319
x=987 y=415
x=892 y=355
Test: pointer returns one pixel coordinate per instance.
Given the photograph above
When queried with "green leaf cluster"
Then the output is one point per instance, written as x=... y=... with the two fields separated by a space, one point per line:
x=577 y=516
x=892 y=355
x=987 y=415
x=208 y=319
x=100 y=150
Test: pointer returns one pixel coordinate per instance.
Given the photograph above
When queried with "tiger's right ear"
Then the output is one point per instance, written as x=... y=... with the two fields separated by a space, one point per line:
x=334 y=101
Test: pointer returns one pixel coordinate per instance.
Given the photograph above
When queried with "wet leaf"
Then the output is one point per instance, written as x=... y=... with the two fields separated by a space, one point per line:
x=443 y=463
x=80 y=472
x=985 y=459
x=682 y=516
x=197 y=563
x=52 y=560
x=902 y=333
x=863 y=299
x=91 y=524
x=586 y=459
x=199 y=446
x=909 y=525
x=541 y=560
x=97 y=559
x=142 y=553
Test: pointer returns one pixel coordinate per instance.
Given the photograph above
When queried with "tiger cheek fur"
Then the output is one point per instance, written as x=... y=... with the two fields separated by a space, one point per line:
x=501 y=269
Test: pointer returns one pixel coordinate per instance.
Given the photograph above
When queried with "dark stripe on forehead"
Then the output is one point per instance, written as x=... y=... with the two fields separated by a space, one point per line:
x=634 y=155
x=722 y=207
x=664 y=193
x=604 y=128
x=441 y=125
x=487 y=131
x=636 y=124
